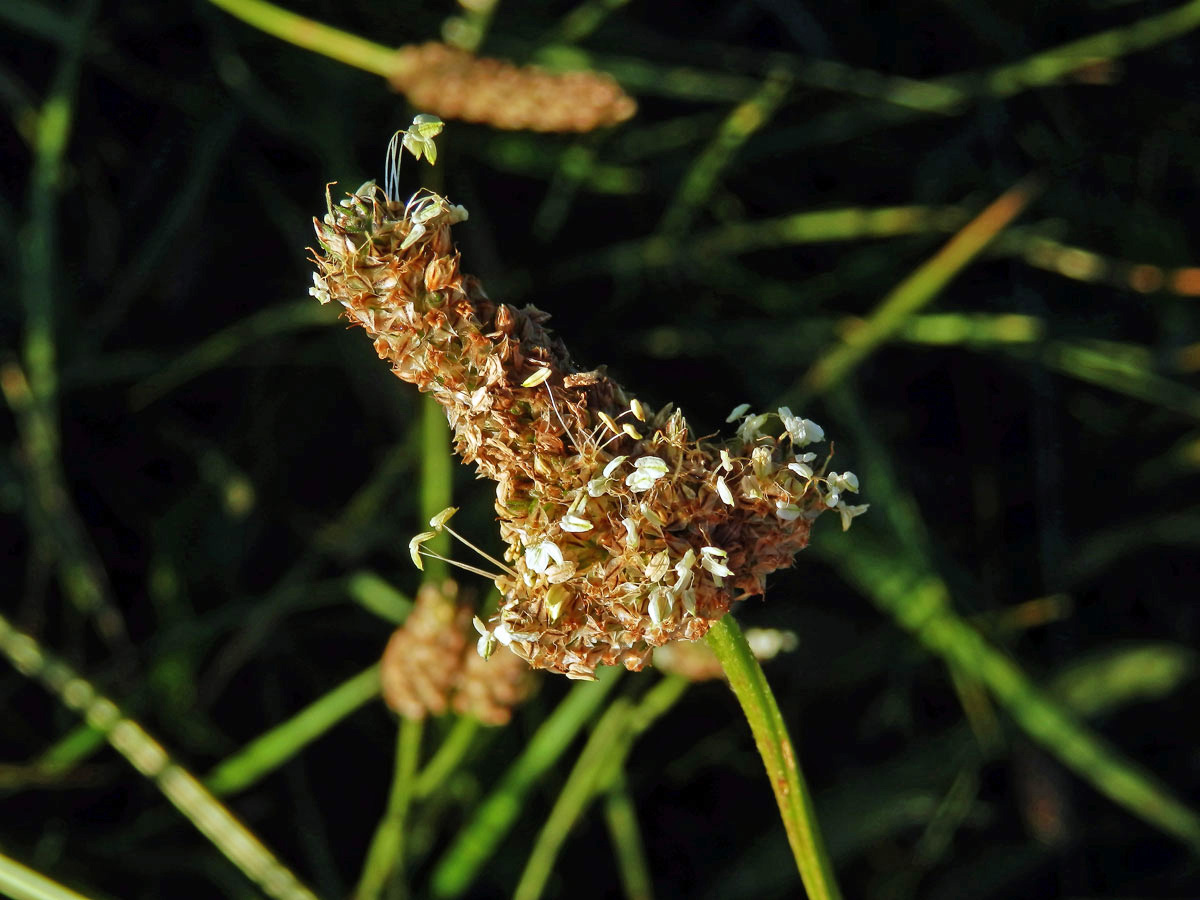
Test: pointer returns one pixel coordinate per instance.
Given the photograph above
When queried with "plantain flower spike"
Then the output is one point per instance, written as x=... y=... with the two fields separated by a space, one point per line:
x=456 y=84
x=619 y=539
x=430 y=666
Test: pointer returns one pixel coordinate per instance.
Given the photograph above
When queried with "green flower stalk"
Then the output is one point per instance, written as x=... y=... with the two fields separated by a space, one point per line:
x=623 y=532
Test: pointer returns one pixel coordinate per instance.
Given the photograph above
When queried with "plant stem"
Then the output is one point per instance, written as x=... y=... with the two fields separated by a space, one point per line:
x=775 y=747
x=385 y=858
x=315 y=36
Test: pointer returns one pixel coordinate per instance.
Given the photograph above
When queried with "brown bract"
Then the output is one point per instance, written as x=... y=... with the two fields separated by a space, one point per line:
x=623 y=532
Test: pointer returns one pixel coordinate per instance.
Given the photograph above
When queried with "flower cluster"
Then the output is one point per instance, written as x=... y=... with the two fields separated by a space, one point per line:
x=429 y=666
x=623 y=531
x=456 y=84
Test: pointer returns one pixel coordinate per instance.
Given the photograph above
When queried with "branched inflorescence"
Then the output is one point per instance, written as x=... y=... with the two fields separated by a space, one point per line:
x=623 y=531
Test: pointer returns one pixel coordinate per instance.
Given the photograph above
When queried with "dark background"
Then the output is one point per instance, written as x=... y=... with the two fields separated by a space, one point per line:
x=215 y=428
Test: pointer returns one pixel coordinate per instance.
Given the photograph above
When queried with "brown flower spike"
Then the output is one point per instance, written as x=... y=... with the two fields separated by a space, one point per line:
x=456 y=84
x=623 y=531
x=429 y=665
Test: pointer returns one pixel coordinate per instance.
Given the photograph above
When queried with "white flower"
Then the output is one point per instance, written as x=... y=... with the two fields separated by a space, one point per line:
x=651 y=516
x=487 y=642
x=647 y=470
x=597 y=487
x=539 y=556
x=574 y=524
x=813 y=433
x=738 y=412
x=760 y=459
x=661 y=603
x=726 y=462
x=786 y=511
x=717 y=568
x=612 y=465
x=658 y=565
x=750 y=428
x=849 y=512
x=632 y=539
x=723 y=491
x=750 y=487
x=847 y=481
x=555 y=598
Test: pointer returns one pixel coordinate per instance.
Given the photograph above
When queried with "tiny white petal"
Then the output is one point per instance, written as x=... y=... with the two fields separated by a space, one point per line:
x=788 y=512
x=805 y=457
x=848 y=513
x=661 y=603
x=850 y=482
x=801 y=469
x=658 y=565
x=723 y=491
x=653 y=464
x=726 y=462
x=738 y=412
x=502 y=634
x=539 y=556
x=648 y=511
x=537 y=377
x=750 y=487
x=479 y=626
x=485 y=645
x=689 y=601
x=598 y=486
x=575 y=524
x=631 y=533
x=713 y=552
x=647 y=470
x=716 y=567
x=612 y=465
x=814 y=433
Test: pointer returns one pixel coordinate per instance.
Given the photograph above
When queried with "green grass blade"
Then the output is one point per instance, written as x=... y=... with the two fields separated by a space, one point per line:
x=229 y=344
x=599 y=765
x=385 y=856
x=919 y=289
x=621 y=818
x=451 y=752
x=919 y=602
x=698 y=184
x=127 y=737
x=750 y=685
x=312 y=35
x=581 y=785
x=490 y=824
x=22 y=883
x=271 y=750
